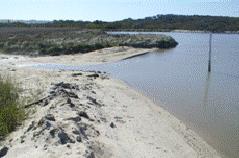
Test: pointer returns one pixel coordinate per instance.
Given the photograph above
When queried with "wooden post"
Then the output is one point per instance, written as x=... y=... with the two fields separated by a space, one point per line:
x=210 y=53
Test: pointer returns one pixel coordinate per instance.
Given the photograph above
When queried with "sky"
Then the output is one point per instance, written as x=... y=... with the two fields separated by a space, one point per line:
x=111 y=10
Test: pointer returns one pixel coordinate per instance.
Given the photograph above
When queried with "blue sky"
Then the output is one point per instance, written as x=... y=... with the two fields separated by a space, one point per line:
x=110 y=10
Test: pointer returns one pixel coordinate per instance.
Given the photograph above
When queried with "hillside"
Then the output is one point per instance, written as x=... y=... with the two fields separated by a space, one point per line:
x=154 y=23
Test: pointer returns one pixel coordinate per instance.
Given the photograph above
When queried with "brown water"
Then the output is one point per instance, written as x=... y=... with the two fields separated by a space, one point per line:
x=177 y=79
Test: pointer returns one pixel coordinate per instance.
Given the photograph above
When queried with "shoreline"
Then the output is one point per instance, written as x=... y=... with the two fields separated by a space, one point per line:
x=129 y=110
x=190 y=136
x=105 y=55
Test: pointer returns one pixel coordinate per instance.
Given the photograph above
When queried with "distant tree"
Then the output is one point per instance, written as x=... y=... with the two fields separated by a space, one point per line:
x=158 y=22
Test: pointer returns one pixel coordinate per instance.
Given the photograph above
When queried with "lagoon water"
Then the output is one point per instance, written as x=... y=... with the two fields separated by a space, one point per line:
x=177 y=79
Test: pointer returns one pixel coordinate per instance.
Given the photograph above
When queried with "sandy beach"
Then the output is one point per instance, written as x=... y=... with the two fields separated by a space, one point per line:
x=99 y=56
x=88 y=114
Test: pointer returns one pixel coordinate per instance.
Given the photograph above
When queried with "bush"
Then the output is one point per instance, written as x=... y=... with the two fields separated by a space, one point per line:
x=11 y=111
x=1 y=45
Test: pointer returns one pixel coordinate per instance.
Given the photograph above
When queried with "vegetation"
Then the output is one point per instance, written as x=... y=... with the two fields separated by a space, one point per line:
x=11 y=112
x=154 y=23
x=56 y=41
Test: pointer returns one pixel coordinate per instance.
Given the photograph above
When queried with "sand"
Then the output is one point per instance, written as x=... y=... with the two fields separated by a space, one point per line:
x=87 y=114
x=99 y=56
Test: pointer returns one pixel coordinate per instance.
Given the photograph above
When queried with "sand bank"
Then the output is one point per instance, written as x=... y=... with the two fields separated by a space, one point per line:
x=88 y=114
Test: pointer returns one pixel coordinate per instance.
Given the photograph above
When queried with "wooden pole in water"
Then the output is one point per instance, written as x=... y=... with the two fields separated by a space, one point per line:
x=210 y=53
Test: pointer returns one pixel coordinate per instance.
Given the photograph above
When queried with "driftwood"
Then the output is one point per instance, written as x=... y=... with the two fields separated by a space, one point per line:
x=59 y=89
x=37 y=102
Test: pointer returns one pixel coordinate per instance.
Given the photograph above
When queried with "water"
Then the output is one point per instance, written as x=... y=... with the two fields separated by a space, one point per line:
x=177 y=79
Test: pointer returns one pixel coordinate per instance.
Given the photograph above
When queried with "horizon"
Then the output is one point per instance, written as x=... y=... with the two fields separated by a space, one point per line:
x=91 y=10
x=41 y=20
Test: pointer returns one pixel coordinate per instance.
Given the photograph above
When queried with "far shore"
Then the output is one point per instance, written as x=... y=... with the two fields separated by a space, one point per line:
x=176 y=31
x=87 y=114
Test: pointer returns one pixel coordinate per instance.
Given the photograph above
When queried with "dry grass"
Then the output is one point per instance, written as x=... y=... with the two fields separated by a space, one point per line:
x=58 y=42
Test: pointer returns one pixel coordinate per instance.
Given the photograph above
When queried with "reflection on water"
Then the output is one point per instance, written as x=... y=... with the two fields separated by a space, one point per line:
x=177 y=79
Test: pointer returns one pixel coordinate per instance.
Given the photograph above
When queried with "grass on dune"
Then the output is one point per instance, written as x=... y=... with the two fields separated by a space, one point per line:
x=11 y=111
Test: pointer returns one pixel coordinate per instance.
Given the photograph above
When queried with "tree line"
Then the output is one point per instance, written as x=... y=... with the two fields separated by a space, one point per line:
x=154 y=23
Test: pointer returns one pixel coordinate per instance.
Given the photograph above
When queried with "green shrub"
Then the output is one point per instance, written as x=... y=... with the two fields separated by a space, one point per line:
x=11 y=110
x=1 y=45
x=54 y=50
